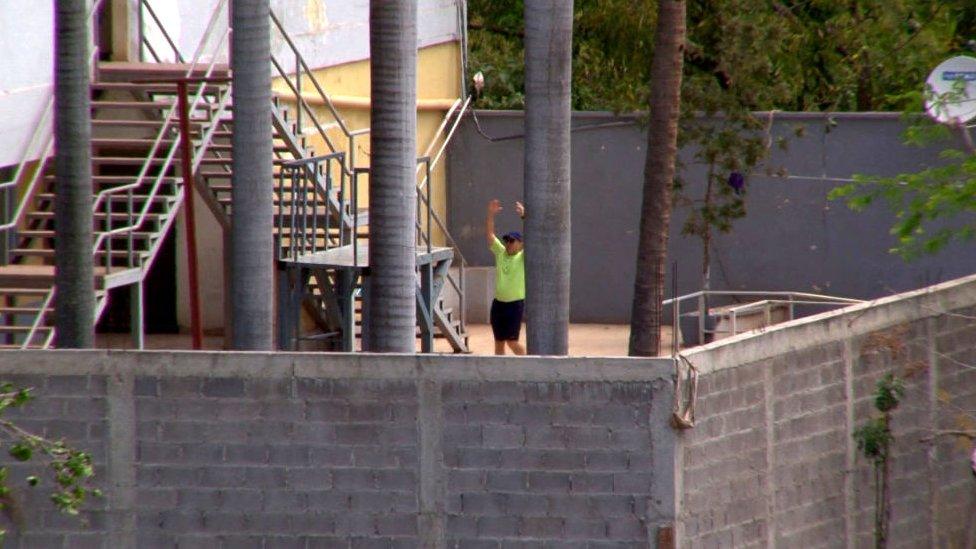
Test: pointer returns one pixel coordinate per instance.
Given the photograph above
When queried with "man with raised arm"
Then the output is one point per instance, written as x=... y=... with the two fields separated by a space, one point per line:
x=509 y=303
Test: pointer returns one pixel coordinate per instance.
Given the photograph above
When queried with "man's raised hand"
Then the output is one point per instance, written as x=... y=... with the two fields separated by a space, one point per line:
x=520 y=209
x=494 y=207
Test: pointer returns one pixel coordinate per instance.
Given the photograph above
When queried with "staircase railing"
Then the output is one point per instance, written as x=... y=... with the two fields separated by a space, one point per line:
x=294 y=81
x=106 y=196
x=104 y=199
x=308 y=214
x=39 y=146
x=457 y=284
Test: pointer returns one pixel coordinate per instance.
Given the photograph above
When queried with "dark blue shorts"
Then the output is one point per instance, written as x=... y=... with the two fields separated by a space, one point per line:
x=506 y=319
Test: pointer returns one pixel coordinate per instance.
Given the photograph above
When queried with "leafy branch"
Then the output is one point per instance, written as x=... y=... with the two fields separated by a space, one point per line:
x=72 y=470
x=935 y=206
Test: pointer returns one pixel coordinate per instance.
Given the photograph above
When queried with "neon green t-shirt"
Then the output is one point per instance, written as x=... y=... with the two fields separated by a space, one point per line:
x=509 y=273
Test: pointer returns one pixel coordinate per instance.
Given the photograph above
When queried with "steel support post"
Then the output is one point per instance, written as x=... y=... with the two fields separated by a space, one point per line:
x=291 y=280
x=186 y=159
x=346 y=293
x=426 y=309
x=137 y=317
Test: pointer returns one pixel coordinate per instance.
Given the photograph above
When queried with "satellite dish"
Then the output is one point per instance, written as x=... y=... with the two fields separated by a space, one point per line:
x=952 y=87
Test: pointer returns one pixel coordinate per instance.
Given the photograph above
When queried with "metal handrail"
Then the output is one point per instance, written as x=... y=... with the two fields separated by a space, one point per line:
x=300 y=172
x=300 y=62
x=821 y=297
x=169 y=39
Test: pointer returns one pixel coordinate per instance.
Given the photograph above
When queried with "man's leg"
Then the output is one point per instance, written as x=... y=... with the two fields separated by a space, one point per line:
x=516 y=347
x=499 y=347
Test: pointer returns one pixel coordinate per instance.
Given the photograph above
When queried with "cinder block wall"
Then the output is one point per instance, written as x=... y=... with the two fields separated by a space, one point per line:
x=300 y=450
x=772 y=461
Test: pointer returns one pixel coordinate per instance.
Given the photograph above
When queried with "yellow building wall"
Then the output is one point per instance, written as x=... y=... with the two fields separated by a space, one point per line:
x=348 y=85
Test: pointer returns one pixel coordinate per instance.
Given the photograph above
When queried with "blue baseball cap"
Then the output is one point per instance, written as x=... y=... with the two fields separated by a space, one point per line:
x=514 y=235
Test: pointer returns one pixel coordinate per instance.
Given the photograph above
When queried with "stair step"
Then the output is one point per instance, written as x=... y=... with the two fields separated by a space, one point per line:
x=50 y=178
x=152 y=87
x=229 y=148
x=131 y=143
x=20 y=291
x=49 y=253
x=154 y=123
x=227 y=161
x=27 y=276
x=154 y=105
x=19 y=329
x=132 y=160
x=44 y=233
x=134 y=71
x=23 y=310
x=140 y=198
x=33 y=276
x=121 y=216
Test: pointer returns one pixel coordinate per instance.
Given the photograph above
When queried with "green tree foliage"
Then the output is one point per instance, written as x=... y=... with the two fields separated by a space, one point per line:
x=71 y=470
x=864 y=55
x=781 y=54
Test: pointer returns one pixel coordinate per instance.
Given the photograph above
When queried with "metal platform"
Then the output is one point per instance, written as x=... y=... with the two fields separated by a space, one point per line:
x=342 y=257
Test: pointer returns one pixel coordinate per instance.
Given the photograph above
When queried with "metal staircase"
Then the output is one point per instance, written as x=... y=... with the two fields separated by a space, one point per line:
x=140 y=189
x=137 y=191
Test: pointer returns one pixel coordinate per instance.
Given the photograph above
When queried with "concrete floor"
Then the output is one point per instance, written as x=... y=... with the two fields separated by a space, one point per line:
x=584 y=340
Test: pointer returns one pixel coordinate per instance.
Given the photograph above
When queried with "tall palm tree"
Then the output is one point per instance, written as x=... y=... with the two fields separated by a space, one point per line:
x=662 y=149
x=391 y=315
x=74 y=277
x=252 y=246
x=548 y=73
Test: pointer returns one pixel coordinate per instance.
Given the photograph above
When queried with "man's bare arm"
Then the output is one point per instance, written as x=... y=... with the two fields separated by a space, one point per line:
x=493 y=208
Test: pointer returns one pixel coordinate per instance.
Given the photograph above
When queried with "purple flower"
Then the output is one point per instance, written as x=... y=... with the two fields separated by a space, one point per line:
x=737 y=181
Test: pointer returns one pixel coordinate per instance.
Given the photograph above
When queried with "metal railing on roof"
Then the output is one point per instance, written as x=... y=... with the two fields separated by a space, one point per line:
x=768 y=300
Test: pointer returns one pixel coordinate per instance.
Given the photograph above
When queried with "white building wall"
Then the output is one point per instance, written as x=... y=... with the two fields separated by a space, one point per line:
x=326 y=32
x=26 y=72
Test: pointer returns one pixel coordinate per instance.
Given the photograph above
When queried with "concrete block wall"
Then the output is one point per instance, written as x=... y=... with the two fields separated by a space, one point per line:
x=302 y=450
x=771 y=460
x=564 y=464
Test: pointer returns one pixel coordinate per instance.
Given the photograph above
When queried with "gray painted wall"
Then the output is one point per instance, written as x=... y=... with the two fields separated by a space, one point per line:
x=792 y=239
x=350 y=451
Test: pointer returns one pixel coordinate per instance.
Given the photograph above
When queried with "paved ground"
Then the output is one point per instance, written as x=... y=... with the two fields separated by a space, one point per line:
x=584 y=340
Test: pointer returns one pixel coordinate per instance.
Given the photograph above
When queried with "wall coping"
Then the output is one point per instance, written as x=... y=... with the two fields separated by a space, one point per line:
x=779 y=115
x=446 y=368
x=836 y=325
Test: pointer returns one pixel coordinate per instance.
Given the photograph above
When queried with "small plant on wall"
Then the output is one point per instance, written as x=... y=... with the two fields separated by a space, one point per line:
x=71 y=470
x=874 y=441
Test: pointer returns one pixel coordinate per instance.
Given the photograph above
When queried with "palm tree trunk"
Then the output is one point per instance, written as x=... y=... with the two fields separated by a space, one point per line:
x=252 y=246
x=662 y=148
x=74 y=265
x=548 y=74
x=391 y=315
